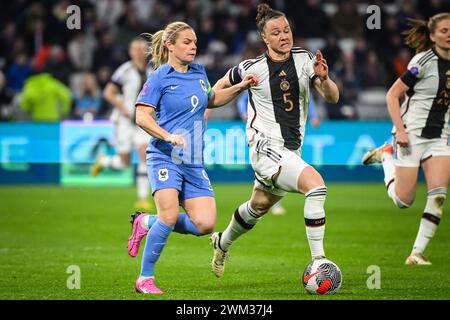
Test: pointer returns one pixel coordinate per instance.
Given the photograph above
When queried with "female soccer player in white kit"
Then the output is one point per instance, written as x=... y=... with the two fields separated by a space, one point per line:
x=277 y=114
x=421 y=128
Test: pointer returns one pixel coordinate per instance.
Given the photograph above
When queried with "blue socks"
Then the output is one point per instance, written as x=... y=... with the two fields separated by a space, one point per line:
x=156 y=240
x=183 y=225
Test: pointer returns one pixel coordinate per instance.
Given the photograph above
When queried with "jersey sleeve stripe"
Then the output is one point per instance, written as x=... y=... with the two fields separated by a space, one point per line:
x=142 y=104
x=234 y=76
x=426 y=60
x=310 y=55
x=425 y=56
x=249 y=63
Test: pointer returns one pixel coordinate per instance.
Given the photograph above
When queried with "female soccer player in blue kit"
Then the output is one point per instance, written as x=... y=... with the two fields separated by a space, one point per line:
x=179 y=92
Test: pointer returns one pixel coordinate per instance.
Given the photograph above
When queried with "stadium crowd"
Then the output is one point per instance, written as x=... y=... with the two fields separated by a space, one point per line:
x=43 y=62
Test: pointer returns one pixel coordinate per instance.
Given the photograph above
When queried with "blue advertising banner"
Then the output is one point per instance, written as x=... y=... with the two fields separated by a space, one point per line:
x=335 y=148
x=333 y=143
x=81 y=143
x=28 y=152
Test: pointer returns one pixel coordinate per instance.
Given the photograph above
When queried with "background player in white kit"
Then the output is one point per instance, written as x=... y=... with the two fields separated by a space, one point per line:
x=421 y=128
x=121 y=92
x=277 y=114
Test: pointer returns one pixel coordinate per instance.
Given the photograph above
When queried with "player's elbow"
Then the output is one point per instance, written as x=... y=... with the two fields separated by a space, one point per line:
x=333 y=98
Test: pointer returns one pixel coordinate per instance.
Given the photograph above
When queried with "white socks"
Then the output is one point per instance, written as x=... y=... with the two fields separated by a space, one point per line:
x=314 y=213
x=244 y=219
x=430 y=218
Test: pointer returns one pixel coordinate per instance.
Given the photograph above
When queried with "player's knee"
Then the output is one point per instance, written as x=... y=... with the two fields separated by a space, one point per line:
x=261 y=206
x=403 y=202
x=435 y=201
x=169 y=217
x=205 y=227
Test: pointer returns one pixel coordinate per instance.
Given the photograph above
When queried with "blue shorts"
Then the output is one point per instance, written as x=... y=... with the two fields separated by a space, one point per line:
x=191 y=182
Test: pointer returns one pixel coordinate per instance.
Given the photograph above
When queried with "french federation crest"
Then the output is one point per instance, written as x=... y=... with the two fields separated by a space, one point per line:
x=163 y=174
x=202 y=83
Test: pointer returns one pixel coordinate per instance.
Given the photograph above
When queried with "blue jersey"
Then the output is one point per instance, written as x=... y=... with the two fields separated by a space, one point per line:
x=180 y=100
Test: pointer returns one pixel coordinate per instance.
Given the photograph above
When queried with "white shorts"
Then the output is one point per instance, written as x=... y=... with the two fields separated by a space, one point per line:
x=267 y=159
x=129 y=135
x=419 y=150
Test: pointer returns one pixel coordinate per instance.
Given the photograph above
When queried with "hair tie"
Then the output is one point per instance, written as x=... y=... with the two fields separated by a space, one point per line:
x=174 y=32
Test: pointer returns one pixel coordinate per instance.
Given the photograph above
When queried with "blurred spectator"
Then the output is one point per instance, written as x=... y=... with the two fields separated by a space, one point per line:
x=360 y=52
x=57 y=65
x=310 y=21
x=35 y=16
x=103 y=54
x=103 y=76
x=429 y=8
x=7 y=39
x=191 y=12
x=401 y=62
x=130 y=27
x=143 y=9
x=6 y=99
x=17 y=72
x=205 y=34
x=159 y=18
x=216 y=68
x=87 y=102
x=331 y=51
x=348 y=72
x=373 y=72
x=81 y=52
x=344 y=109
x=406 y=11
x=37 y=30
x=109 y=11
x=45 y=99
x=346 y=22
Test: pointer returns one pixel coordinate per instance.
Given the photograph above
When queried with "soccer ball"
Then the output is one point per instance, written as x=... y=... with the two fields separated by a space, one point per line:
x=322 y=276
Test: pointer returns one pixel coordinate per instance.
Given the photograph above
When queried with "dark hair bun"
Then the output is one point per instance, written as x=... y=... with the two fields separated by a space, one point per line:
x=263 y=9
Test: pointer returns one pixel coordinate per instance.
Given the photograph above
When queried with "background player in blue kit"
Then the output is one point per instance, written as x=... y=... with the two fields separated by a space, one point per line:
x=179 y=92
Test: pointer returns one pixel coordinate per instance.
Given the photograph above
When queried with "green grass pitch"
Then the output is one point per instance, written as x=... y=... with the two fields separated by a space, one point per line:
x=44 y=230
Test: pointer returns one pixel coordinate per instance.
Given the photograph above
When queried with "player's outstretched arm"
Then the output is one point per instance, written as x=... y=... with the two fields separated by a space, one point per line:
x=326 y=87
x=223 y=82
x=221 y=97
x=145 y=120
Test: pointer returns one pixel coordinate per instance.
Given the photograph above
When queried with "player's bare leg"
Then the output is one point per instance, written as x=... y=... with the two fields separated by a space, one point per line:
x=437 y=173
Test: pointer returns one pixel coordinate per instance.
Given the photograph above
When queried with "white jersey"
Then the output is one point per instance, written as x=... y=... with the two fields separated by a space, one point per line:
x=278 y=105
x=425 y=112
x=129 y=79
